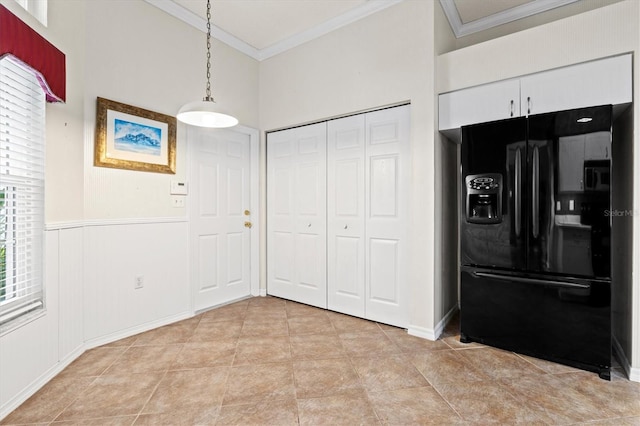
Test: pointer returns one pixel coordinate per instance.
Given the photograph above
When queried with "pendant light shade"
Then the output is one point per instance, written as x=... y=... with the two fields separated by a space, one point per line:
x=206 y=113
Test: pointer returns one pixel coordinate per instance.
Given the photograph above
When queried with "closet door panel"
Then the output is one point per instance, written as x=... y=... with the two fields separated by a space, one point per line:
x=345 y=215
x=296 y=214
x=387 y=184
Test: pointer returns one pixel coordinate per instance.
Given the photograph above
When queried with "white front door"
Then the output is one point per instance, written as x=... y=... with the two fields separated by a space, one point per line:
x=296 y=214
x=220 y=194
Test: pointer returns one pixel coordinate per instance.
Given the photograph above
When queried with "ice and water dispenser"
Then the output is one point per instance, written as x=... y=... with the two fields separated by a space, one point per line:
x=484 y=198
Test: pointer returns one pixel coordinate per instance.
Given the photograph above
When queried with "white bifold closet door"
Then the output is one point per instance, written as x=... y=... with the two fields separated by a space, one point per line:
x=337 y=213
x=367 y=212
x=296 y=214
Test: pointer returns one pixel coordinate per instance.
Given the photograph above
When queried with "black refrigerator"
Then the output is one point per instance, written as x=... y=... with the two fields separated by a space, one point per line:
x=535 y=236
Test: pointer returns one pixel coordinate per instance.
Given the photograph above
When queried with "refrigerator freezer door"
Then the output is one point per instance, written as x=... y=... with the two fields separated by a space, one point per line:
x=563 y=321
x=494 y=187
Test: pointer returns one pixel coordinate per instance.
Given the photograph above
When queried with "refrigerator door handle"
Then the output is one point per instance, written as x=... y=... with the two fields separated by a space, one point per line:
x=517 y=184
x=540 y=281
x=535 y=191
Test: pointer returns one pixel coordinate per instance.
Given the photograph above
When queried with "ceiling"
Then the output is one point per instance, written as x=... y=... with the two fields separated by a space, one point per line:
x=264 y=28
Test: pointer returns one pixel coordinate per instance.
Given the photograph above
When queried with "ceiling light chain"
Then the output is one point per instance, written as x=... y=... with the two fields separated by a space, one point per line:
x=208 y=92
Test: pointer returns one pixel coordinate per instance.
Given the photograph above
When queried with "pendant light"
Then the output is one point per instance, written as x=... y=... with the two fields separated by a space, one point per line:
x=205 y=113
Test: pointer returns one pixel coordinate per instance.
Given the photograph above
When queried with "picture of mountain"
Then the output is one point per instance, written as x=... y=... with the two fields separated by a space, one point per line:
x=138 y=138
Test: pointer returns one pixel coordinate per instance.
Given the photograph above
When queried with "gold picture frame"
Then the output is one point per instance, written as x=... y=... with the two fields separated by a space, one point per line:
x=133 y=138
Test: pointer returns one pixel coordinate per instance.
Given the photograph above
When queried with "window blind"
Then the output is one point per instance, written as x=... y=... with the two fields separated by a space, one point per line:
x=22 y=131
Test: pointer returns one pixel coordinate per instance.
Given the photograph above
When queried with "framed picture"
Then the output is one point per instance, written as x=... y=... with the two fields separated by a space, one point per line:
x=133 y=138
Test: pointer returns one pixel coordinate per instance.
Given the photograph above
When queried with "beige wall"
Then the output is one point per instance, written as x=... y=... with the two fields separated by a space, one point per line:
x=141 y=56
x=383 y=59
x=599 y=33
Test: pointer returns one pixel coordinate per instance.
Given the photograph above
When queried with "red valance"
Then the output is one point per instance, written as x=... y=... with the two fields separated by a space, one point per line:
x=21 y=41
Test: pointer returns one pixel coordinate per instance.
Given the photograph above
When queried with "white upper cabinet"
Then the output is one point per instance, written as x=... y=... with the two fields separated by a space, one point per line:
x=603 y=82
x=489 y=102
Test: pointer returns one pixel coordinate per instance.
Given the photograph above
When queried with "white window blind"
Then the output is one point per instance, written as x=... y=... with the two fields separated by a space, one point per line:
x=22 y=131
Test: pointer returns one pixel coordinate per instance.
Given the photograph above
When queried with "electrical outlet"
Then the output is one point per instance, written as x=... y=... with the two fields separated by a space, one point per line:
x=177 y=201
x=139 y=281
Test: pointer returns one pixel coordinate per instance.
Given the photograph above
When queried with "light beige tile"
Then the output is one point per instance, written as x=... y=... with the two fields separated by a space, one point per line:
x=310 y=324
x=251 y=384
x=188 y=390
x=388 y=373
x=265 y=327
x=415 y=406
x=487 y=402
x=206 y=354
x=198 y=416
x=111 y=396
x=46 y=404
x=104 y=421
x=174 y=333
x=257 y=349
x=440 y=367
x=294 y=309
x=316 y=346
x=225 y=313
x=212 y=331
x=620 y=398
x=140 y=359
x=499 y=364
x=367 y=343
x=348 y=324
x=280 y=412
x=316 y=378
x=93 y=362
x=349 y=409
x=555 y=397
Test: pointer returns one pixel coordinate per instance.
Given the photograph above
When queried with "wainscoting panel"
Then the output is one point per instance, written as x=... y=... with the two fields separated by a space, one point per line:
x=115 y=256
x=70 y=261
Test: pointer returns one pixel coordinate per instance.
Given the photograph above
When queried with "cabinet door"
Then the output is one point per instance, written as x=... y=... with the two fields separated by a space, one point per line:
x=296 y=214
x=602 y=82
x=345 y=215
x=386 y=213
x=480 y=104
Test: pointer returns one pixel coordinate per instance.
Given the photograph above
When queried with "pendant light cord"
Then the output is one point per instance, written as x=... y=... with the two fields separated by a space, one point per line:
x=208 y=96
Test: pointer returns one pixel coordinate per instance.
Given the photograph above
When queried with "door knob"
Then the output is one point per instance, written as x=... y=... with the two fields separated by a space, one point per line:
x=247 y=212
x=248 y=224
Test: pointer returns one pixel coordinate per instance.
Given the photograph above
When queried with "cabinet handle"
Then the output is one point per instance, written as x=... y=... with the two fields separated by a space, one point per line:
x=528 y=105
x=345 y=227
x=511 y=108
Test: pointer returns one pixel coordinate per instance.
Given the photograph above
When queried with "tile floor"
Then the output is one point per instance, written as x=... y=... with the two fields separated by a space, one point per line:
x=270 y=361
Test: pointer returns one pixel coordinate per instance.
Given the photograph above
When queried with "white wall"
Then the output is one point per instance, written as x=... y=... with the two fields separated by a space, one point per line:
x=599 y=33
x=105 y=226
x=30 y=355
x=383 y=59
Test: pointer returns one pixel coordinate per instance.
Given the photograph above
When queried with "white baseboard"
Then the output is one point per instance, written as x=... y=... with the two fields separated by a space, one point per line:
x=425 y=333
x=37 y=384
x=433 y=333
x=263 y=292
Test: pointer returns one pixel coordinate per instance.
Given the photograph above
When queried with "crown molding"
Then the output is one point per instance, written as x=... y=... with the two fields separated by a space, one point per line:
x=188 y=17
x=368 y=8
x=506 y=16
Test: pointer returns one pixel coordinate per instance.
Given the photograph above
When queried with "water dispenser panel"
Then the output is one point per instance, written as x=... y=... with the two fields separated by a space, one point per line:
x=484 y=198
